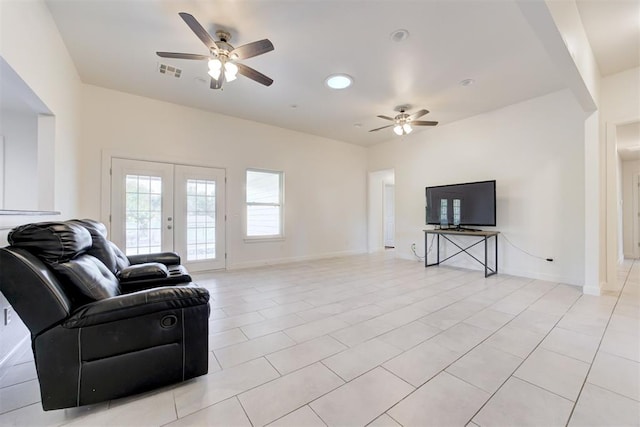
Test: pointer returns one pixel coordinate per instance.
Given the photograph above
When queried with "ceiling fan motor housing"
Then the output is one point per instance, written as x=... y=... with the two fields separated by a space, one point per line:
x=403 y=118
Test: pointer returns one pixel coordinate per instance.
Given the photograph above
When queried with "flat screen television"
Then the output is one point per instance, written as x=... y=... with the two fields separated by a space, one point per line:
x=459 y=205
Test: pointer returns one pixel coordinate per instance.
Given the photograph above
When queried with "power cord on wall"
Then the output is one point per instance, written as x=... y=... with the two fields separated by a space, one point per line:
x=420 y=258
x=523 y=251
x=413 y=249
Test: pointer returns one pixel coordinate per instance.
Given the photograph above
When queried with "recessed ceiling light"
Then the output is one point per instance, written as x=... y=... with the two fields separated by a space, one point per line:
x=339 y=81
x=293 y=105
x=357 y=125
x=399 y=35
x=467 y=82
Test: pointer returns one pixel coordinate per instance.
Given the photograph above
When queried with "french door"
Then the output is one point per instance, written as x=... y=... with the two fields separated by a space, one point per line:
x=165 y=207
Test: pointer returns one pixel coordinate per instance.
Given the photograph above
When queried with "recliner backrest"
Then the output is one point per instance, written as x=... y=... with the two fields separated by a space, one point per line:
x=51 y=241
x=63 y=247
x=101 y=248
x=32 y=290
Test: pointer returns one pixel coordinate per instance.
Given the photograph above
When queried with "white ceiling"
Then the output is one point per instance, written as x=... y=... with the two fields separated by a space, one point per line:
x=113 y=45
x=613 y=30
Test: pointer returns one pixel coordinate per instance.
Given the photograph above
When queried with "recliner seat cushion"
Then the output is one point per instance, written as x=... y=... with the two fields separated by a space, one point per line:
x=53 y=242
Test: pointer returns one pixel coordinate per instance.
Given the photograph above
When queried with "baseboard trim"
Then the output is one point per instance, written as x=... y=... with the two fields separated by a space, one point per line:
x=592 y=290
x=278 y=261
x=501 y=270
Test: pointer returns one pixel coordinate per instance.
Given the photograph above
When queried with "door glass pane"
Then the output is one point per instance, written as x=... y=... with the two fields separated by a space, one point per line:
x=143 y=208
x=201 y=219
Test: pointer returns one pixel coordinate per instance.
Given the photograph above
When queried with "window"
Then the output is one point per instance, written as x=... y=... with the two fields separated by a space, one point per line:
x=264 y=203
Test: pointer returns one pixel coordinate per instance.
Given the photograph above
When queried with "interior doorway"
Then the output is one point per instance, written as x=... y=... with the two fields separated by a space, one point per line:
x=636 y=217
x=628 y=178
x=381 y=210
x=389 y=216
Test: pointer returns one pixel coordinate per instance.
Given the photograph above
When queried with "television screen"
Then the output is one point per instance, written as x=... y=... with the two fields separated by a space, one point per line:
x=472 y=203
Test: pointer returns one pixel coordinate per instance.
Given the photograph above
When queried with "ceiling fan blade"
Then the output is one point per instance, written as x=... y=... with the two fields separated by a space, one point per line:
x=217 y=84
x=387 y=118
x=418 y=114
x=182 y=55
x=423 y=123
x=250 y=50
x=383 y=127
x=199 y=31
x=253 y=74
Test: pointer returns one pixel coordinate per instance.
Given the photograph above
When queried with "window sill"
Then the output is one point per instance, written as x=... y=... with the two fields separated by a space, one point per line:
x=264 y=239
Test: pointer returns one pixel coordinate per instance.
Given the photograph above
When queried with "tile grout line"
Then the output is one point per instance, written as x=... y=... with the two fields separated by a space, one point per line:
x=615 y=392
x=528 y=355
x=573 y=408
x=465 y=353
x=243 y=409
x=305 y=404
x=481 y=342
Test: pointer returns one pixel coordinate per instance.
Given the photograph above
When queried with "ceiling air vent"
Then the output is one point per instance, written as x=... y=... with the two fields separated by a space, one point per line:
x=170 y=70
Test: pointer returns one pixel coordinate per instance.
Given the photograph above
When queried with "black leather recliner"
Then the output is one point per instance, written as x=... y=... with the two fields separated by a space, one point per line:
x=94 y=338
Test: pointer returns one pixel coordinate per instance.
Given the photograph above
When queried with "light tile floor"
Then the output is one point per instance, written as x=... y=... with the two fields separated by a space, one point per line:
x=374 y=340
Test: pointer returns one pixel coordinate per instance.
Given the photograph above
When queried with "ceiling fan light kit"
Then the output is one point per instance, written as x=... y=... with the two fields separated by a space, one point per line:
x=216 y=66
x=223 y=58
x=405 y=129
x=403 y=123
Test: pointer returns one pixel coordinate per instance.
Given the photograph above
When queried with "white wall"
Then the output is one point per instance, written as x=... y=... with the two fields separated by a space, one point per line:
x=31 y=45
x=630 y=172
x=593 y=211
x=569 y=23
x=619 y=93
x=576 y=64
x=325 y=180
x=535 y=152
x=620 y=219
x=20 y=132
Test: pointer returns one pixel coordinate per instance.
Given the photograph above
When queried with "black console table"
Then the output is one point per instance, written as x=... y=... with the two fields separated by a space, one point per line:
x=483 y=237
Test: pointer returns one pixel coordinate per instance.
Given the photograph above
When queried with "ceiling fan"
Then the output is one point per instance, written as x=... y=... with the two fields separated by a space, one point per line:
x=223 y=57
x=402 y=122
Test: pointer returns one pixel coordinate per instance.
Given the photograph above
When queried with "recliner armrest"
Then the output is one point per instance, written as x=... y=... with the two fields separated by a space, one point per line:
x=166 y=258
x=147 y=270
x=137 y=304
x=178 y=276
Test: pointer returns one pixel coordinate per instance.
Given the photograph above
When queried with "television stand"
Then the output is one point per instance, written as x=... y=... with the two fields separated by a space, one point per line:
x=483 y=237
